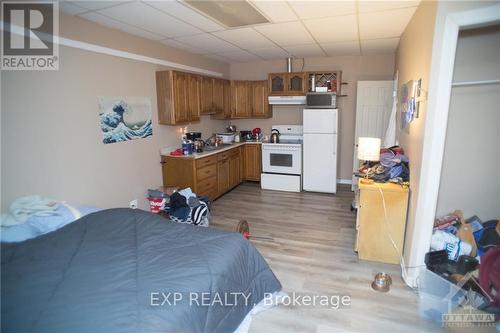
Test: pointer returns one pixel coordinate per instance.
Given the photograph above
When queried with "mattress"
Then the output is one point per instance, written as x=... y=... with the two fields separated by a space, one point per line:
x=123 y=270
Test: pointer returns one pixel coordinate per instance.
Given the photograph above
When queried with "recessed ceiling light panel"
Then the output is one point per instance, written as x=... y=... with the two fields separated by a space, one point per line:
x=232 y=14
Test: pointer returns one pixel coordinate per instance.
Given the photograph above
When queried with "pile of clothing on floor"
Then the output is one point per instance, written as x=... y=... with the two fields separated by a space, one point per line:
x=467 y=252
x=184 y=206
x=392 y=167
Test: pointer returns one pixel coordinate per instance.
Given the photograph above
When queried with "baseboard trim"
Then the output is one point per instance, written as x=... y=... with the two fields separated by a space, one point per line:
x=344 y=181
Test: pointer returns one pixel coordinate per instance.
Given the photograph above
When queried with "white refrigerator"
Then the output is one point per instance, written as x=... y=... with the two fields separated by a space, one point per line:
x=320 y=150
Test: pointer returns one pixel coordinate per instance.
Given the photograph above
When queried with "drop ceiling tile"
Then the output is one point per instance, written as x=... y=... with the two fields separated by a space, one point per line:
x=315 y=9
x=151 y=19
x=270 y=53
x=379 y=46
x=375 y=6
x=182 y=46
x=71 y=8
x=101 y=19
x=333 y=29
x=290 y=33
x=239 y=56
x=246 y=38
x=186 y=14
x=350 y=48
x=95 y=5
x=218 y=58
x=307 y=50
x=209 y=43
x=386 y=24
x=276 y=11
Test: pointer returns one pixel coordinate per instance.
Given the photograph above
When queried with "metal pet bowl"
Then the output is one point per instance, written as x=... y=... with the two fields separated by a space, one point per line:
x=382 y=282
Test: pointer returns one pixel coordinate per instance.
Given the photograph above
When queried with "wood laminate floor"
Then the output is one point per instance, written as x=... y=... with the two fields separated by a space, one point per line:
x=308 y=240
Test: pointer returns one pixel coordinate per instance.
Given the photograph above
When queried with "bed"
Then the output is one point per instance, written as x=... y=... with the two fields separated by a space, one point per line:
x=113 y=271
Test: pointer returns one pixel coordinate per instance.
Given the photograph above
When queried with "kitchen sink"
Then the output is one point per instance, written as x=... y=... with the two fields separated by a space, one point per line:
x=212 y=148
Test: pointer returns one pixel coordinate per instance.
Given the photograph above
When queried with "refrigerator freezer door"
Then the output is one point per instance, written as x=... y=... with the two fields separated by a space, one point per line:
x=320 y=121
x=320 y=163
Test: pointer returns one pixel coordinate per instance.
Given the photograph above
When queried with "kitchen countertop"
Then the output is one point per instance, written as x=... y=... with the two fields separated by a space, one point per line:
x=166 y=151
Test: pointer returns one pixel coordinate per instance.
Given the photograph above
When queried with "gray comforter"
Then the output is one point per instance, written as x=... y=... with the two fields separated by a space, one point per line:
x=123 y=270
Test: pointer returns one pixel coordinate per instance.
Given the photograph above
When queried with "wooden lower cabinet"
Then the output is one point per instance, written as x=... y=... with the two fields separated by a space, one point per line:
x=211 y=176
x=252 y=162
x=222 y=176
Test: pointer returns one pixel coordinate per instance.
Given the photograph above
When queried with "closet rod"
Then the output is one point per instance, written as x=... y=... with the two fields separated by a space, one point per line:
x=474 y=83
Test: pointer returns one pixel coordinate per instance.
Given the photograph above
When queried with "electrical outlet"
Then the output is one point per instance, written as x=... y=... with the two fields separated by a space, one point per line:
x=133 y=204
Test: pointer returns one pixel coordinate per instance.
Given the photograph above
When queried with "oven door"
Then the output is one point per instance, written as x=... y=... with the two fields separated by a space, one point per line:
x=284 y=159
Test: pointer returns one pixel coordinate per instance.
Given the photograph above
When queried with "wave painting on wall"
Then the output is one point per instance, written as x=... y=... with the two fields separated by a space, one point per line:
x=125 y=118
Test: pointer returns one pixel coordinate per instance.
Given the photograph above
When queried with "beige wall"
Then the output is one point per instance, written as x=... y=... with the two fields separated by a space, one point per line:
x=354 y=68
x=50 y=135
x=413 y=62
x=472 y=153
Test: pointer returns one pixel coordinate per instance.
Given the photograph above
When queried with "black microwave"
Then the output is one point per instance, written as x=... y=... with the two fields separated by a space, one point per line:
x=321 y=100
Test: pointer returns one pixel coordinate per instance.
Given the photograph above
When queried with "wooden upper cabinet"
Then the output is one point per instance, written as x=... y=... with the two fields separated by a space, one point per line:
x=282 y=84
x=178 y=97
x=240 y=99
x=259 y=99
x=193 y=93
x=181 y=98
x=222 y=99
x=206 y=95
x=218 y=95
x=296 y=83
x=226 y=108
x=277 y=83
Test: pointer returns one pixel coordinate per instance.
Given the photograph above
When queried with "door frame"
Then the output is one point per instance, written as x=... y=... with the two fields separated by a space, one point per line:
x=436 y=121
x=354 y=184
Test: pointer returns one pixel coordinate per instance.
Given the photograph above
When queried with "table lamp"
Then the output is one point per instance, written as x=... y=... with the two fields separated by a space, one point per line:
x=368 y=150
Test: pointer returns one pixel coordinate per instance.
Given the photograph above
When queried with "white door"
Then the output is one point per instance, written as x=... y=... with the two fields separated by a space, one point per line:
x=320 y=121
x=373 y=109
x=320 y=163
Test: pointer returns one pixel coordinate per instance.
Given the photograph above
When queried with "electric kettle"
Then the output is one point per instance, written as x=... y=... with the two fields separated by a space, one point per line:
x=275 y=136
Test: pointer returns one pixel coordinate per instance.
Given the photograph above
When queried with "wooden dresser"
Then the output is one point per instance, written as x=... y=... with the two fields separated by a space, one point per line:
x=373 y=227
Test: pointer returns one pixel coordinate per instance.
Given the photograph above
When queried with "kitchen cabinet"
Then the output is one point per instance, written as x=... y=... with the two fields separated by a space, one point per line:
x=193 y=97
x=373 y=225
x=224 y=112
x=285 y=84
x=182 y=97
x=211 y=176
x=207 y=95
x=177 y=97
x=259 y=100
x=240 y=99
x=222 y=176
x=234 y=168
x=252 y=161
x=332 y=80
x=218 y=95
x=277 y=84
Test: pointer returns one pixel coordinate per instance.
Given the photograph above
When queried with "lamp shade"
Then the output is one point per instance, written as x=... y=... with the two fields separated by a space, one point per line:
x=368 y=149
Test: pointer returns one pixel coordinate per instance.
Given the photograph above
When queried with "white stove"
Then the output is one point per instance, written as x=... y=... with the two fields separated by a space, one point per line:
x=282 y=162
